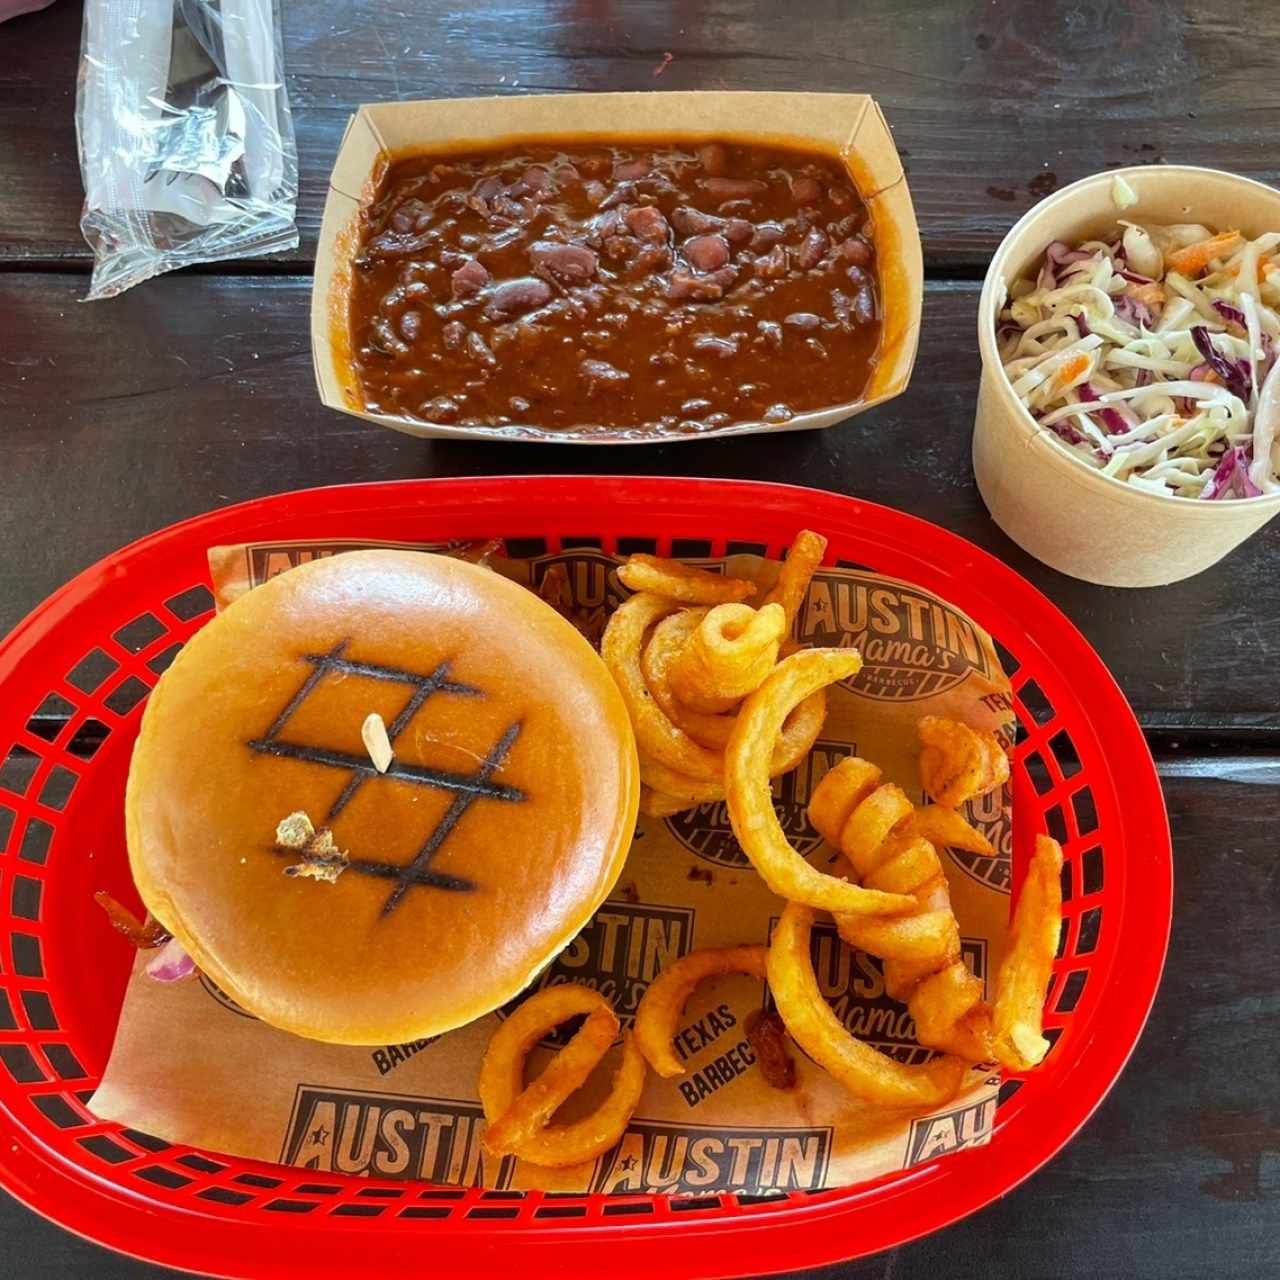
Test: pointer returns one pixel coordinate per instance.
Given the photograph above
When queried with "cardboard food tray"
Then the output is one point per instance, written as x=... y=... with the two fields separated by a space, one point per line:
x=410 y=1110
x=850 y=126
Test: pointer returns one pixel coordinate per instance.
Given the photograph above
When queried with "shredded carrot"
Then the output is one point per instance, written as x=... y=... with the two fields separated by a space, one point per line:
x=1192 y=260
x=1072 y=370
x=1151 y=294
x=1209 y=376
x=1264 y=265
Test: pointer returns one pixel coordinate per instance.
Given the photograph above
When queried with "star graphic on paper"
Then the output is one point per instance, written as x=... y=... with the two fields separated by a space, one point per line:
x=321 y=1136
x=628 y=1164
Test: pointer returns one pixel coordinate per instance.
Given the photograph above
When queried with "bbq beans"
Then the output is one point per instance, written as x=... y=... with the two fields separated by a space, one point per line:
x=614 y=288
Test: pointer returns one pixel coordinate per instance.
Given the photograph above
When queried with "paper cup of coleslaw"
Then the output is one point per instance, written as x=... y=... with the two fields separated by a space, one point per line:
x=1051 y=502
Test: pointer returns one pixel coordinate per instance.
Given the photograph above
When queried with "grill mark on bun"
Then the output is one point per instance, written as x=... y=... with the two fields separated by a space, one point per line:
x=467 y=787
x=461 y=803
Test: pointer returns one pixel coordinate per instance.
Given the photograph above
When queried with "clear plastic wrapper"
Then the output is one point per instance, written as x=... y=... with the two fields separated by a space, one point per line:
x=186 y=141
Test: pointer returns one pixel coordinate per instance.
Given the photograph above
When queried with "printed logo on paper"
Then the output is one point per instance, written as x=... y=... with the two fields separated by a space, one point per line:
x=391 y=1056
x=386 y=1135
x=852 y=982
x=940 y=1135
x=912 y=644
x=667 y=1159
x=990 y=814
x=707 y=833
x=619 y=952
x=590 y=586
x=266 y=560
x=719 y=1032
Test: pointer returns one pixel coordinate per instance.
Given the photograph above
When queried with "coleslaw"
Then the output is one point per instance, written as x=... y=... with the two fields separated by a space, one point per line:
x=1152 y=357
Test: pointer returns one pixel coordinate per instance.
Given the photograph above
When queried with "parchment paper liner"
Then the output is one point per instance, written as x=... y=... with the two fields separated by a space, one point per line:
x=189 y=1066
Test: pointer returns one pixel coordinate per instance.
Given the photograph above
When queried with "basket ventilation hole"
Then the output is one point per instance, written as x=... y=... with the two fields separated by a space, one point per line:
x=1037 y=706
x=21 y=1065
x=48 y=718
x=1007 y=1090
x=58 y=788
x=136 y=635
x=106 y=1149
x=290 y=1206
x=163 y=1177
x=164 y=659
x=1090 y=927
x=1072 y=990
x=1064 y=751
x=123 y=700
x=91 y=671
x=88 y=737
x=56 y=1109
x=16 y=771
x=39 y=1011
x=1085 y=810
x=1039 y=774
x=24 y=898
x=27 y=962
x=36 y=840
x=1091 y=871
x=1056 y=823
x=64 y=1062
x=637 y=546
x=526 y=548
x=190 y=603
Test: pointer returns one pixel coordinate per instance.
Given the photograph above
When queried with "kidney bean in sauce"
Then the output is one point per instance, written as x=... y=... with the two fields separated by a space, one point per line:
x=617 y=288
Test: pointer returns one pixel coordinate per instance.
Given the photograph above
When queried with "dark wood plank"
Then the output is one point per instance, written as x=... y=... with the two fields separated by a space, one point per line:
x=197 y=391
x=992 y=104
x=1176 y=1173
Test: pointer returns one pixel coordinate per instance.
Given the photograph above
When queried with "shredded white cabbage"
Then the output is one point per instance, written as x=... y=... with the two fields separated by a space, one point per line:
x=1108 y=358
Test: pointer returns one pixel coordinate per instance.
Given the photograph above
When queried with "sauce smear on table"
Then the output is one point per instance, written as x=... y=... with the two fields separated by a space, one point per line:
x=621 y=289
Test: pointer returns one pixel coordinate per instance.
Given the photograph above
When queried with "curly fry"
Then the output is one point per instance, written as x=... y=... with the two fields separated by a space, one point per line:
x=957 y=762
x=682 y=583
x=517 y=1116
x=654 y=804
x=862 y=1070
x=1028 y=960
x=874 y=827
x=620 y=648
x=665 y=998
x=751 y=801
x=729 y=654
x=796 y=573
x=713 y=731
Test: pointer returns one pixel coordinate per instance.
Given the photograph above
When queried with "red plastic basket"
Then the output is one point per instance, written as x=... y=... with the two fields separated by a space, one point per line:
x=73 y=677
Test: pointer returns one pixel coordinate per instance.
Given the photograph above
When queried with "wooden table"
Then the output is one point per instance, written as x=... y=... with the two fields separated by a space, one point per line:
x=196 y=390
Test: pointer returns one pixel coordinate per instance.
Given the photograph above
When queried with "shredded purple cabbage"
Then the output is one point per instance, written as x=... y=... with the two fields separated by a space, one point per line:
x=1082 y=325
x=1230 y=478
x=1060 y=254
x=1234 y=373
x=1134 y=278
x=1232 y=315
x=1132 y=310
x=1113 y=418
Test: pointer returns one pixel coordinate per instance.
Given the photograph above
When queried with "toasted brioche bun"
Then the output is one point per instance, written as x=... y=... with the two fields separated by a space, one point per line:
x=227 y=749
